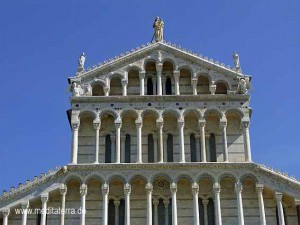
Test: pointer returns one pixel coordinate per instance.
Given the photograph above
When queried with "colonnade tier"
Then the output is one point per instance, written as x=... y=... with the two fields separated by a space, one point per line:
x=105 y=189
x=160 y=137
x=160 y=81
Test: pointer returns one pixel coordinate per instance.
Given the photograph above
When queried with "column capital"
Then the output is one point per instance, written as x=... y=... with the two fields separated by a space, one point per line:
x=217 y=188
x=25 y=205
x=138 y=124
x=63 y=189
x=176 y=75
x=166 y=203
x=106 y=90
x=223 y=123
x=117 y=203
x=212 y=89
x=149 y=188
x=5 y=212
x=180 y=123
x=44 y=197
x=155 y=202
x=83 y=189
x=195 y=189
x=159 y=67
x=259 y=188
x=202 y=122
x=297 y=202
x=238 y=188
x=118 y=124
x=278 y=196
x=245 y=124
x=173 y=188
x=127 y=189
x=105 y=189
x=159 y=123
x=124 y=82
x=205 y=202
x=142 y=74
x=75 y=126
x=97 y=125
x=194 y=81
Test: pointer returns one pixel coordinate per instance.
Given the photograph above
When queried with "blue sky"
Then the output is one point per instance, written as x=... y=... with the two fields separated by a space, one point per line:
x=42 y=40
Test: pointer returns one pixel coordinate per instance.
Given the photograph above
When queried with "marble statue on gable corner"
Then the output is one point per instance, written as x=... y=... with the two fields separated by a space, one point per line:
x=158 y=26
x=76 y=89
x=243 y=86
x=81 y=63
x=236 y=62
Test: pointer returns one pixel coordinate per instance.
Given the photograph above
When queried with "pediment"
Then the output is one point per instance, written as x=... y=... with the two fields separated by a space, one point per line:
x=159 y=52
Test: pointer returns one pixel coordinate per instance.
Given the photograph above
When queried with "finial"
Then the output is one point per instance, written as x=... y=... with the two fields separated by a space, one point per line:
x=236 y=62
x=81 y=61
x=158 y=26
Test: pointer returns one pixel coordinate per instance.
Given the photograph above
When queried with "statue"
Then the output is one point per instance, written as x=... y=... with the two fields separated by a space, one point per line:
x=76 y=89
x=243 y=86
x=158 y=26
x=81 y=61
x=89 y=90
x=236 y=62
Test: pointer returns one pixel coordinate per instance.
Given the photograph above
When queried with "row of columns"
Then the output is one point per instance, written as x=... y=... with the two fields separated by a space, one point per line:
x=160 y=82
x=149 y=191
x=160 y=123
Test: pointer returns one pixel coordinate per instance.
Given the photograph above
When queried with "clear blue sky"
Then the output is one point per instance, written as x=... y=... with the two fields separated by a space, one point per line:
x=42 y=40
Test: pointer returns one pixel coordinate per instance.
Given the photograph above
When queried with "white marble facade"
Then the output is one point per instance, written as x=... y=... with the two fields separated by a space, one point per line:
x=160 y=137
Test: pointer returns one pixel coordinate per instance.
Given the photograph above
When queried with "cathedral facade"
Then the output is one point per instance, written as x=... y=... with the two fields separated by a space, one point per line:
x=160 y=137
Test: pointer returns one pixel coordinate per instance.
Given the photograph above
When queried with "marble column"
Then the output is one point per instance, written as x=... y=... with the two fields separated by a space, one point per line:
x=117 y=209
x=142 y=82
x=223 y=126
x=173 y=188
x=105 y=192
x=97 y=129
x=118 y=125
x=75 y=128
x=218 y=215
x=44 y=200
x=159 y=67
x=195 y=191
x=202 y=135
x=63 y=192
x=149 y=190
x=166 y=204
x=127 y=192
x=83 y=192
x=194 y=86
x=181 y=135
x=160 y=124
x=176 y=78
x=163 y=80
x=245 y=126
x=260 y=188
x=124 y=87
x=154 y=81
x=280 y=208
x=155 y=204
x=238 y=191
x=113 y=148
x=139 y=126
x=205 y=204
x=5 y=213
x=25 y=206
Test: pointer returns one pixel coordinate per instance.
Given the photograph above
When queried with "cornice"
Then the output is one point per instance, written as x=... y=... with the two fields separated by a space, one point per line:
x=164 y=98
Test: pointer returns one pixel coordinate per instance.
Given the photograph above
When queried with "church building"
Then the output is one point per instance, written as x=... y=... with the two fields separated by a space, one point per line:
x=160 y=136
